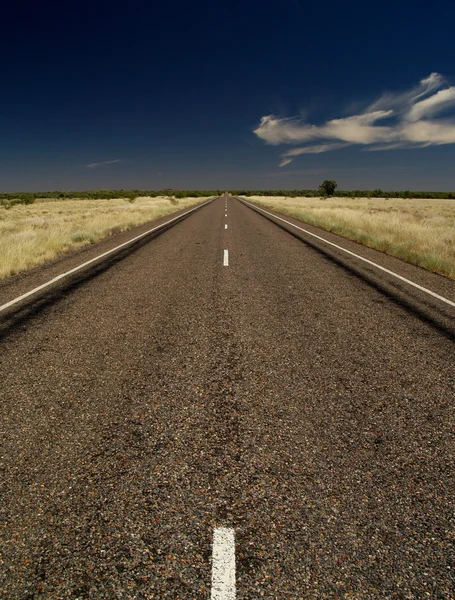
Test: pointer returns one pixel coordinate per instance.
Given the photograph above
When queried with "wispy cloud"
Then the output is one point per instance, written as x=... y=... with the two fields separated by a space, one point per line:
x=103 y=163
x=411 y=119
x=289 y=155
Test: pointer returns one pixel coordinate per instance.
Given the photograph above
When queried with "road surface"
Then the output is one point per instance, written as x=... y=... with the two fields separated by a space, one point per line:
x=239 y=382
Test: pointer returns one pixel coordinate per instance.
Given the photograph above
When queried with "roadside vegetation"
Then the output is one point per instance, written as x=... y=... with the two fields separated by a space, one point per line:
x=37 y=231
x=419 y=231
x=415 y=226
x=9 y=199
x=343 y=193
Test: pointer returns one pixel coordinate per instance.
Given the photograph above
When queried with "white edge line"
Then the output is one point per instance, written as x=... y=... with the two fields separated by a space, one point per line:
x=223 y=564
x=89 y=262
x=408 y=281
x=226 y=258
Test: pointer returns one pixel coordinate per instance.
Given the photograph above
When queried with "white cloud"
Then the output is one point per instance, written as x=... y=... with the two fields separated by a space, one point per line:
x=284 y=131
x=103 y=162
x=432 y=105
x=400 y=101
x=430 y=132
x=411 y=123
x=315 y=149
x=359 y=129
x=285 y=161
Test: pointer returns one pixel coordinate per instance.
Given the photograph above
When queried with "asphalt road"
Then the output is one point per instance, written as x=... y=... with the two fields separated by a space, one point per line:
x=295 y=396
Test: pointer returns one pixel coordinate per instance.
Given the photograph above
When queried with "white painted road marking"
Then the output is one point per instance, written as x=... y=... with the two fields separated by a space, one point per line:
x=226 y=259
x=225 y=226
x=408 y=281
x=89 y=262
x=223 y=564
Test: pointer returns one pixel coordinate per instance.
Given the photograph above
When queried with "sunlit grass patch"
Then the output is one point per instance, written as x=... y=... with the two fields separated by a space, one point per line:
x=82 y=236
x=419 y=231
x=36 y=233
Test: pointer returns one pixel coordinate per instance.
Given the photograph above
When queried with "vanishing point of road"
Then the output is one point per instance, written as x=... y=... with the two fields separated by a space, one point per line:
x=233 y=410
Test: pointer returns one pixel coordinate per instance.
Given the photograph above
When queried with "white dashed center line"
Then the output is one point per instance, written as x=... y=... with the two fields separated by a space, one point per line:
x=223 y=564
x=225 y=226
x=226 y=258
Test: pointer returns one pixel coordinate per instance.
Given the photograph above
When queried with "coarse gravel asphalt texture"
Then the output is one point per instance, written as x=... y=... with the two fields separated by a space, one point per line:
x=293 y=396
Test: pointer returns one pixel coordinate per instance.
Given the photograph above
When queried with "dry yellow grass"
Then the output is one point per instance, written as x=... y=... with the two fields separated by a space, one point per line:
x=33 y=234
x=421 y=232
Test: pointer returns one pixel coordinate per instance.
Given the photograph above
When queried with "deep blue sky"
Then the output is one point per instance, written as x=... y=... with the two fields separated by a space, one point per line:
x=174 y=91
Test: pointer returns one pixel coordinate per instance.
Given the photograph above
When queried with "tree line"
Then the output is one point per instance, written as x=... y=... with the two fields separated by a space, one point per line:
x=346 y=194
x=9 y=199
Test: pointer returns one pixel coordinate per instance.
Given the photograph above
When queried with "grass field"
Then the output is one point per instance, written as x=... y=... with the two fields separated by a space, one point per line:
x=33 y=234
x=418 y=231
